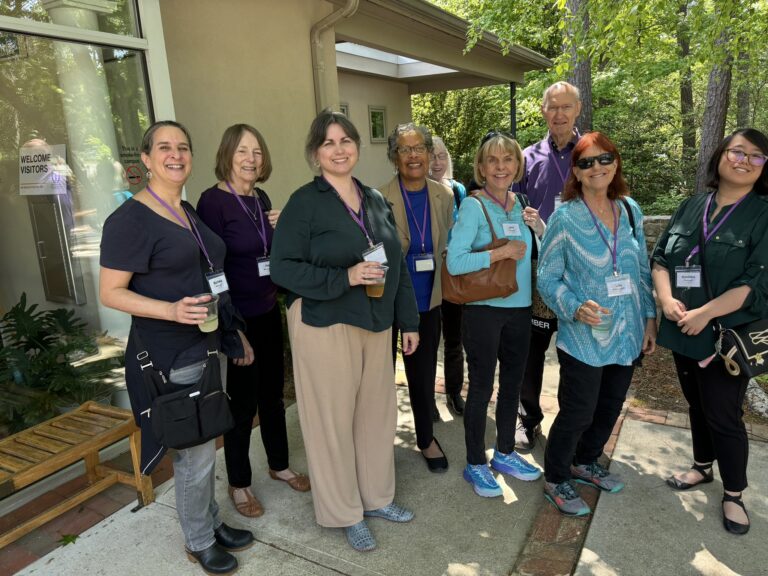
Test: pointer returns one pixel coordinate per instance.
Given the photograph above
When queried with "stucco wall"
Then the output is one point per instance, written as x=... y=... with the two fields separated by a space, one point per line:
x=245 y=61
x=360 y=91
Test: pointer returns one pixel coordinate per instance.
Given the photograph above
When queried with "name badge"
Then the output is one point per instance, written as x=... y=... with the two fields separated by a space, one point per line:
x=376 y=254
x=558 y=201
x=688 y=276
x=263 y=264
x=217 y=282
x=511 y=228
x=424 y=262
x=619 y=285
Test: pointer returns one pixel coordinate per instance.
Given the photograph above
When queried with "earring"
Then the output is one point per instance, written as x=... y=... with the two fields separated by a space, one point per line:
x=316 y=164
x=149 y=174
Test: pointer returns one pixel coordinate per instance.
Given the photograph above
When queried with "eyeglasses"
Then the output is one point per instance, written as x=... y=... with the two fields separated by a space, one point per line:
x=406 y=150
x=494 y=134
x=736 y=155
x=603 y=159
x=565 y=109
x=442 y=156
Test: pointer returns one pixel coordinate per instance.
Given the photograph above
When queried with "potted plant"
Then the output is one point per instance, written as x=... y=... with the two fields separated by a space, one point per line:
x=49 y=361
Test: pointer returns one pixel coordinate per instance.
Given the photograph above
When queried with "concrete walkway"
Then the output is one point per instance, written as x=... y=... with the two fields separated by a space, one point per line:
x=646 y=529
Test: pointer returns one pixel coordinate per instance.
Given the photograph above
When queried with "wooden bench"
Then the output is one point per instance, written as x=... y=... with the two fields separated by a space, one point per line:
x=40 y=451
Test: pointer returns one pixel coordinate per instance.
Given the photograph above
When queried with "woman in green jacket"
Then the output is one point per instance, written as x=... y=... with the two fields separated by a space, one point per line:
x=721 y=239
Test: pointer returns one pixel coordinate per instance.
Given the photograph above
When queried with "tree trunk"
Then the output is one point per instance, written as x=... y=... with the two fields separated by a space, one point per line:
x=581 y=66
x=687 y=117
x=742 y=91
x=713 y=122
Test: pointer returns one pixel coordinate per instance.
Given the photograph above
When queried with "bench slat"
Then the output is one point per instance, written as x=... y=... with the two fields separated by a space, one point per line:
x=13 y=464
x=90 y=418
x=42 y=443
x=67 y=436
x=24 y=452
x=79 y=427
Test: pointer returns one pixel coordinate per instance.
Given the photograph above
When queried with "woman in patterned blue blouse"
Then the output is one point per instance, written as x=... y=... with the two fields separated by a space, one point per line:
x=593 y=272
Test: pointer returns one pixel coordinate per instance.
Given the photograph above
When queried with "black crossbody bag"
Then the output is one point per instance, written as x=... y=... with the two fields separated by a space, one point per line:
x=186 y=416
x=743 y=348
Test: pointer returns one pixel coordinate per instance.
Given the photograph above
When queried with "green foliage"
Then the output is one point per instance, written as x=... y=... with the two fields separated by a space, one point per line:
x=43 y=363
x=68 y=539
x=638 y=63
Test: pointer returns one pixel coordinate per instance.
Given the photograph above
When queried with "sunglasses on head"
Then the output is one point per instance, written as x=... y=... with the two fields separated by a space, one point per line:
x=493 y=134
x=603 y=159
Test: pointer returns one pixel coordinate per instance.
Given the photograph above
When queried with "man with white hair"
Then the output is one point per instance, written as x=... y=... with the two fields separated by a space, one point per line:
x=547 y=165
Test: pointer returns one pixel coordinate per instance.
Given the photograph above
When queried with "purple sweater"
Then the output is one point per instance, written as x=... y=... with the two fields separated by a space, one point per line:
x=252 y=295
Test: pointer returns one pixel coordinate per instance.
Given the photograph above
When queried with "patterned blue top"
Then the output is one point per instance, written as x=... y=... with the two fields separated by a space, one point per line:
x=573 y=265
x=471 y=232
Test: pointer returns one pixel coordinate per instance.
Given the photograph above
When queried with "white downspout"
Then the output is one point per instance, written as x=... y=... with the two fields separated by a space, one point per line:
x=318 y=62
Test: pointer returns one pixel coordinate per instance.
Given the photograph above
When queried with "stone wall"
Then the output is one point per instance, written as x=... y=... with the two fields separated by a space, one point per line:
x=653 y=226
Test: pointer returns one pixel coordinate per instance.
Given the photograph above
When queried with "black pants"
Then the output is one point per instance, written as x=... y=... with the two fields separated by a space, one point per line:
x=258 y=387
x=590 y=401
x=491 y=333
x=715 y=400
x=453 y=352
x=420 y=370
x=530 y=392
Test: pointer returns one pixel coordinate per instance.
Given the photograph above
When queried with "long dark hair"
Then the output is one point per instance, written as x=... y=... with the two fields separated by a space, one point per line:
x=753 y=137
x=617 y=187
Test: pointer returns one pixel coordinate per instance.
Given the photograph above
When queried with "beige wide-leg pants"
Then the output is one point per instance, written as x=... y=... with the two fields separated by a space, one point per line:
x=345 y=393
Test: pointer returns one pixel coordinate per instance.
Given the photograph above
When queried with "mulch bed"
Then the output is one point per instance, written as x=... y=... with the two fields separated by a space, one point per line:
x=655 y=386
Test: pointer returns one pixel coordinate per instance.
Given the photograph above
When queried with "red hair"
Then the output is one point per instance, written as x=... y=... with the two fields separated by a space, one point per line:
x=617 y=187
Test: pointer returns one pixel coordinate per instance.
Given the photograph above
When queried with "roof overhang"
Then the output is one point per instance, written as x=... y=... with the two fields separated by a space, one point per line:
x=423 y=46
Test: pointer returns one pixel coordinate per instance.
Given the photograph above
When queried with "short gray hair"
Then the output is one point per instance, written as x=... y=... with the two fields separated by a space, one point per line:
x=401 y=129
x=556 y=87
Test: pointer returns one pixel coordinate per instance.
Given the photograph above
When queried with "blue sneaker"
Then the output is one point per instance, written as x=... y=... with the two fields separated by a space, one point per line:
x=483 y=482
x=595 y=475
x=515 y=466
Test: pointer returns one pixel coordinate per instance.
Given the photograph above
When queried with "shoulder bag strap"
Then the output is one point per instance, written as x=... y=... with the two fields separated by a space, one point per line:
x=629 y=215
x=523 y=199
x=494 y=238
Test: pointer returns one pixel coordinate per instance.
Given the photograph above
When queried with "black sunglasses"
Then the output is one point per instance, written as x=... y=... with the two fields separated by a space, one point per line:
x=493 y=134
x=604 y=159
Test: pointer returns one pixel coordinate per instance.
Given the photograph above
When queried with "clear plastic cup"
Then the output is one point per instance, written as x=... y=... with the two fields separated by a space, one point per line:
x=211 y=322
x=602 y=331
x=377 y=290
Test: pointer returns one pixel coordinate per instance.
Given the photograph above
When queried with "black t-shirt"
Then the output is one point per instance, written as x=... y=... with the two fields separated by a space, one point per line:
x=167 y=264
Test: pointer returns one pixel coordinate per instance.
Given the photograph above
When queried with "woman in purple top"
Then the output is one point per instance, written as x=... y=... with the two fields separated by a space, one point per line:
x=241 y=214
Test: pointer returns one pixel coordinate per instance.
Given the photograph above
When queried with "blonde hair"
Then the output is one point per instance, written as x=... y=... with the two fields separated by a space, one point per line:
x=498 y=141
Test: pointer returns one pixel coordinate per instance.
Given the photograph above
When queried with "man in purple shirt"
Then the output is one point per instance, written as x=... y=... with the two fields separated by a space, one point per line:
x=547 y=165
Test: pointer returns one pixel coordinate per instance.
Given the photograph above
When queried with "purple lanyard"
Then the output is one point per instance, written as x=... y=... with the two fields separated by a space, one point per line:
x=613 y=251
x=423 y=228
x=260 y=230
x=493 y=199
x=557 y=164
x=193 y=229
x=705 y=224
x=359 y=220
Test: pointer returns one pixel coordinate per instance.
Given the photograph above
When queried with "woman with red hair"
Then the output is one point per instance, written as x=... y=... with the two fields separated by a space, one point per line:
x=594 y=274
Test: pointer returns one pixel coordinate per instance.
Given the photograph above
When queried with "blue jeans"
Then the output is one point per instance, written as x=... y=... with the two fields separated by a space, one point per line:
x=194 y=475
x=492 y=333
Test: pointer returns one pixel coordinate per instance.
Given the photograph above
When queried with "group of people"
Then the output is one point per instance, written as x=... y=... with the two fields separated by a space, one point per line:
x=362 y=272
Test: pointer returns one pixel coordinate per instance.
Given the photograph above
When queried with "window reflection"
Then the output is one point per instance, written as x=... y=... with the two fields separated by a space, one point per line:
x=114 y=16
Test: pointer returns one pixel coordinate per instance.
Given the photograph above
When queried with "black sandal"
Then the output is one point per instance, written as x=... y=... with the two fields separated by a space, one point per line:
x=730 y=525
x=704 y=469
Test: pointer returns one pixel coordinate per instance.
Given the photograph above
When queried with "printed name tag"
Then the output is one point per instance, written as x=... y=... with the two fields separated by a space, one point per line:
x=619 y=285
x=263 y=264
x=424 y=262
x=558 y=201
x=217 y=282
x=511 y=228
x=376 y=254
x=688 y=276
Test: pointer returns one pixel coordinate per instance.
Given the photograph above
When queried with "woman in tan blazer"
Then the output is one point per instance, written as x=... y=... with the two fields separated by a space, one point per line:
x=423 y=211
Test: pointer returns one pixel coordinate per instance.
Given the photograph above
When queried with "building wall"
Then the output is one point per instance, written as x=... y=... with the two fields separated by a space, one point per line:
x=245 y=61
x=358 y=92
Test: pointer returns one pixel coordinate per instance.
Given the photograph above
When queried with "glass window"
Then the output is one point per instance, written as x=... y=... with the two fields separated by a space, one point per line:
x=72 y=117
x=114 y=16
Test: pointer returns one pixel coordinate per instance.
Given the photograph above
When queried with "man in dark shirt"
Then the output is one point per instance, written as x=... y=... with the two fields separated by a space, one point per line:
x=547 y=165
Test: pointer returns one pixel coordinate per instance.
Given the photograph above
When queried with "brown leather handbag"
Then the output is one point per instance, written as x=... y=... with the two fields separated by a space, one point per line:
x=498 y=281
